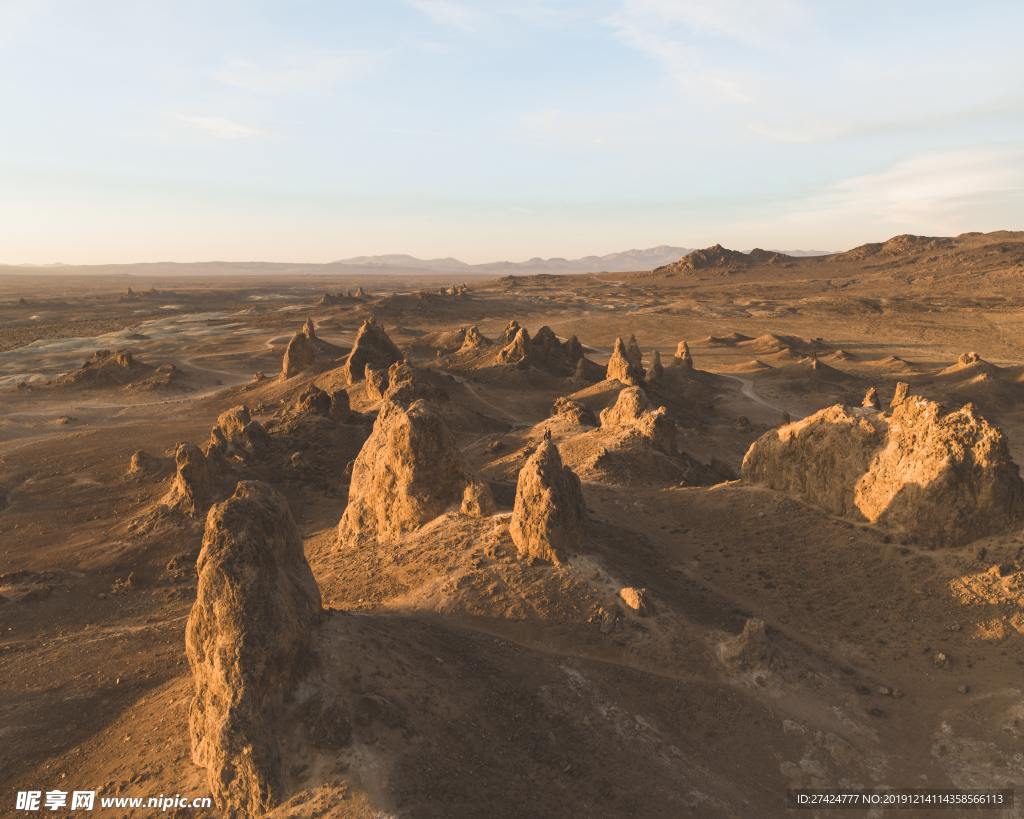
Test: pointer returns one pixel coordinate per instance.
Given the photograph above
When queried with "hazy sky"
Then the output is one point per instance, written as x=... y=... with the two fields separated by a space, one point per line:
x=311 y=131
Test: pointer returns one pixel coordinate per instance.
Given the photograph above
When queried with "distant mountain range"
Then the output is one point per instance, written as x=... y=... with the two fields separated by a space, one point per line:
x=396 y=263
x=622 y=262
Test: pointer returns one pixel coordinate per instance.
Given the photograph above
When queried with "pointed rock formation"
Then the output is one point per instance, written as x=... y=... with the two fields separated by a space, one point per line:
x=193 y=487
x=683 y=357
x=376 y=382
x=408 y=472
x=517 y=351
x=549 y=514
x=546 y=344
x=632 y=413
x=657 y=371
x=407 y=384
x=309 y=329
x=247 y=641
x=573 y=349
x=622 y=368
x=372 y=346
x=474 y=339
x=934 y=478
x=902 y=390
x=871 y=399
x=299 y=355
x=510 y=331
x=633 y=351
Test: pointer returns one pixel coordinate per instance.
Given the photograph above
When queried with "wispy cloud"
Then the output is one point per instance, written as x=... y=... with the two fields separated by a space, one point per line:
x=218 y=127
x=450 y=13
x=678 y=35
x=761 y=23
x=296 y=73
x=941 y=193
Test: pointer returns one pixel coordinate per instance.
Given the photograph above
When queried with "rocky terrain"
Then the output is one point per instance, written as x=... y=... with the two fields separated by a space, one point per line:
x=666 y=542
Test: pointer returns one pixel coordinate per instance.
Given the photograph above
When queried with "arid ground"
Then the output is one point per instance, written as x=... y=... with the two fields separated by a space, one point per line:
x=668 y=633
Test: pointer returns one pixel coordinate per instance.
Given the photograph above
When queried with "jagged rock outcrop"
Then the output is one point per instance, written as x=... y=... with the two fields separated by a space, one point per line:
x=751 y=649
x=517 y=351
x=939 y=479
x=900 y=395
x=549 y=515
x=236 y=434
x=633 y=414
x=372 y=346
x=682 y=356
x=573 y=410
x=407 y=384
x=622 y=368
x=657 y=371
x=315 y=401
x=193 y=487
x=474 y=339
x=107 y=368
x=247 y=642
x=871 y=399
x=408 y=472
x=376 y=382
x=573 y=350
x=510 y=331
x=634 y=353
x=968 y=358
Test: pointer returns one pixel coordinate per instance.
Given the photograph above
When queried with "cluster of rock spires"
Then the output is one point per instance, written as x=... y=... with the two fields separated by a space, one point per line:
x=313 y=431
x=334 y=299
x=626 y=363
x=543 y=351
x=927 y=475
x=114 y=368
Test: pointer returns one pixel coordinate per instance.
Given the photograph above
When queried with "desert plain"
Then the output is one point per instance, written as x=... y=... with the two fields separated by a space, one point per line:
x=358 y=544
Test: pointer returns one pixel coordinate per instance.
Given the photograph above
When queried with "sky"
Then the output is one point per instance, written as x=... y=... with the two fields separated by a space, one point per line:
x=315 y=130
